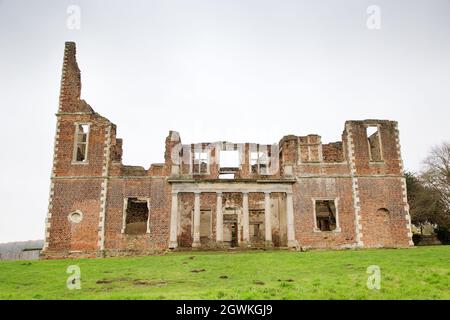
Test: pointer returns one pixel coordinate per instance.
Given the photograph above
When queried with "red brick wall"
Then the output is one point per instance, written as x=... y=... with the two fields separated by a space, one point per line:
x=158 y=192
x=307 y=189
x=95 y=157
x=382 y=230
x=72 y=195
x=391 y=163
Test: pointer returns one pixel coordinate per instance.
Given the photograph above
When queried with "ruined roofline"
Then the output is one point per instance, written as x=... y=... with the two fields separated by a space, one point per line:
x=284 y=138
x=371 y=121
x=228 y=143
x=231 y=143
x=72 y=104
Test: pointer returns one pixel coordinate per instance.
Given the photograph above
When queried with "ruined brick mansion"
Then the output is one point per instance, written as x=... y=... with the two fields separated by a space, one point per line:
x=297 y=193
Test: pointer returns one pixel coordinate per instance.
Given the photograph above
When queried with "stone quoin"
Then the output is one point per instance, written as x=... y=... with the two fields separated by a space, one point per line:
x=298 y=193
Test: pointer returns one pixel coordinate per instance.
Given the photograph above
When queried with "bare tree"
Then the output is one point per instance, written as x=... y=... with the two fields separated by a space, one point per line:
x=436 y=172
x=425 y=203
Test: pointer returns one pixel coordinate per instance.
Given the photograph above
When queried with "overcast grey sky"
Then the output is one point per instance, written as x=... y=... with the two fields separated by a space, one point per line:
x=241 y=71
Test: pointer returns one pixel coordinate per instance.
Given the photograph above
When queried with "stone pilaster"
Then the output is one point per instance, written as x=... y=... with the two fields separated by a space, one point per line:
x=196 y=242
x=219 y=219
x=292 y=243
x=267 y=220
x=245 y=220
x=173 y=243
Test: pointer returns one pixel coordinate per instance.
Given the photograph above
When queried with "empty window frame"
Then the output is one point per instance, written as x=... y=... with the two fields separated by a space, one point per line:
x=325 y=215
x=374 y=143
x=80 y=151
x=259 y=162
x=201 y=162
x=136 y=216
x=229 y=159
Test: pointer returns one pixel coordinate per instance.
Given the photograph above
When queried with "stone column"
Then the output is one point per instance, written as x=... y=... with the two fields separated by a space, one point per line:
x=291 y=242
x=245 y=219
x=267 y=221
x=336 y=205
x=219 y=218
x=174 y=221
x=196 y=242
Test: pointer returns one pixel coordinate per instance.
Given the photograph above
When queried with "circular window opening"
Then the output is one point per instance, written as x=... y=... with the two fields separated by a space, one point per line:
x=76 y=217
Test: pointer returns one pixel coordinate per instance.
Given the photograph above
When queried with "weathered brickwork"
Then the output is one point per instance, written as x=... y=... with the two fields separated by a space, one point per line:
x=298 y=193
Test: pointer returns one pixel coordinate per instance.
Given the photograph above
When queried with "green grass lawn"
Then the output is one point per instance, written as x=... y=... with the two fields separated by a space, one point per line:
x=417 y=273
